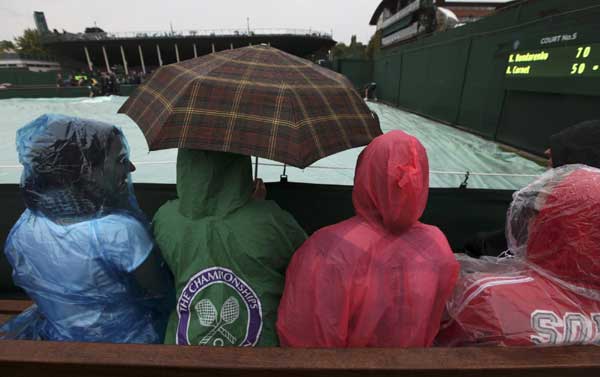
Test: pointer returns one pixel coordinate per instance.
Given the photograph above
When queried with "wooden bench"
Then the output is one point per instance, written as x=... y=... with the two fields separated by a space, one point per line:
x=27 y=358
x=9 y=308
x=24 y=358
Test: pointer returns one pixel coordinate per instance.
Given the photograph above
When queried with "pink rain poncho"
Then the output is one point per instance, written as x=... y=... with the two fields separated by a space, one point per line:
x=380 y=278
x=548 y=293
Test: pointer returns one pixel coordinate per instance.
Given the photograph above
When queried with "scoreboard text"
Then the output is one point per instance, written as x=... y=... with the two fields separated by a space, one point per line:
x=572 y=61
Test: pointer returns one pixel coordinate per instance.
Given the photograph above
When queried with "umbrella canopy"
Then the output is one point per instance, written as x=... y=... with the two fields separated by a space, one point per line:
x=255 y=100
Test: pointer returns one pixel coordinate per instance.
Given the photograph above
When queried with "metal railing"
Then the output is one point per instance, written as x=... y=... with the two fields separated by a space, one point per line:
x=185 y=34
x=280 y=165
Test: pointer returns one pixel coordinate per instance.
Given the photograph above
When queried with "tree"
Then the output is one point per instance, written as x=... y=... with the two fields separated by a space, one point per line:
x=6 y=46
x=340 y=50
x=30 y=43
x=356 y=50
x=374 y=45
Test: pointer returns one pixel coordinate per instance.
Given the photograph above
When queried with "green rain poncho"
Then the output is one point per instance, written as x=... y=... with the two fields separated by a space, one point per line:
x=228 y=253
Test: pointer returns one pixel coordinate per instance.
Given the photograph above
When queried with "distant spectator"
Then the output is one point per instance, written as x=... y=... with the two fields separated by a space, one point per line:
x=578 y=144
x=369 y=91
x=59 y=80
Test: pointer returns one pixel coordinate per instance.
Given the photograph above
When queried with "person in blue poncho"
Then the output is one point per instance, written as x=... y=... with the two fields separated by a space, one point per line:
x=82 y=250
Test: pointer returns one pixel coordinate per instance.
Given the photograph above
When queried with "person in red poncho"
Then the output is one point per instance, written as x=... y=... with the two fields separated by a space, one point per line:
x=380 y=278
x=549 y=292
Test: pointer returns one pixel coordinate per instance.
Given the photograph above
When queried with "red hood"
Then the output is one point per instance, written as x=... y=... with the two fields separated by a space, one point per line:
x=391 y=183
x=564 y=237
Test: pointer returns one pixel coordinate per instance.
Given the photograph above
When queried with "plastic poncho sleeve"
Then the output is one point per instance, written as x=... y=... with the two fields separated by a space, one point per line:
x=128 y=234
x=25 y=326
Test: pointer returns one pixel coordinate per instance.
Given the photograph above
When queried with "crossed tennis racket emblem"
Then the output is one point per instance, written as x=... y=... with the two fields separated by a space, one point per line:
x=207 y=316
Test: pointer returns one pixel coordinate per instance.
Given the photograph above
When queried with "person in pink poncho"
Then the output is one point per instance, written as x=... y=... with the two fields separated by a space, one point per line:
x=380 y=278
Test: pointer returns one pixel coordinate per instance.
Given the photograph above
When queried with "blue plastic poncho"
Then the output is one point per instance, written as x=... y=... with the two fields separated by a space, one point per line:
x=78 y=248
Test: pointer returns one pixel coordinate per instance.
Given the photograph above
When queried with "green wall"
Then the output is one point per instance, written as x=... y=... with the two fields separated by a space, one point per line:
x=458 y=76
x=358 y=71
x=26 y=77
x=41 y=92
x=53 y=92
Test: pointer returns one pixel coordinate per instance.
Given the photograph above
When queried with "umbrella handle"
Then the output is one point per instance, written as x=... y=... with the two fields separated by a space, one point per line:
x=255 y=168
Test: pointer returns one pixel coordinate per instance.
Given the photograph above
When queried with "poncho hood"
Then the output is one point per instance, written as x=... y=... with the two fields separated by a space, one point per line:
x=75 y=168
x=391 y=184
x=561 y=214
x=212 y=183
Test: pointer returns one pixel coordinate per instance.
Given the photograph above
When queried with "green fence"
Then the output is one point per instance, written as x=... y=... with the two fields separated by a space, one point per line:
x=53 y=92
x=44 y=92
x=358 y=71
x=26 y=77
x=459 y=76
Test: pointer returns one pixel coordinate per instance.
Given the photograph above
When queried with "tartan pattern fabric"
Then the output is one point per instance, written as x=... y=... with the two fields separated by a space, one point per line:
x=255 y=100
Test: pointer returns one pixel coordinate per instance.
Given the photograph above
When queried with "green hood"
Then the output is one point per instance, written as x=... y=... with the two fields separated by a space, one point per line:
x=228 y=253
x=212 y=183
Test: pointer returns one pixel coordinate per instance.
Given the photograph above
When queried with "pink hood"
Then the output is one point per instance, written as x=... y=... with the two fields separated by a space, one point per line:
x=391 y=184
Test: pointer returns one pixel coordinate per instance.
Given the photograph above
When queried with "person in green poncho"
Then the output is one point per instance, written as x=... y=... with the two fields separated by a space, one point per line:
x=228 y=253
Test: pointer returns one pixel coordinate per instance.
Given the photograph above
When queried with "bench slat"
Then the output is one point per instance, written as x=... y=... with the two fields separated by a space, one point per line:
x=93 y=359
x=13 y=307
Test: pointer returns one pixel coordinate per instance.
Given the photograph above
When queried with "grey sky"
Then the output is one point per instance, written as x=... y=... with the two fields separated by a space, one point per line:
x=344 y=17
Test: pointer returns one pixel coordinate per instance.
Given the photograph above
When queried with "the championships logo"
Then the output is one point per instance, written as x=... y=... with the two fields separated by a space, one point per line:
x=218 y=308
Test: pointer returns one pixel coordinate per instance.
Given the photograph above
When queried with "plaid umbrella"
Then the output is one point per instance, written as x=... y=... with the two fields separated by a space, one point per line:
x=256 y=101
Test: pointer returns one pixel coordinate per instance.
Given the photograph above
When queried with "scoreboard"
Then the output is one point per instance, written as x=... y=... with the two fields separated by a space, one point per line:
x=570 y=61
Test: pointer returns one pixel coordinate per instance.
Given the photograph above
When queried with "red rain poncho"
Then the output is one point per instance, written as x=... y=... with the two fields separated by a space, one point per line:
x=549 y=293
x=380 y=278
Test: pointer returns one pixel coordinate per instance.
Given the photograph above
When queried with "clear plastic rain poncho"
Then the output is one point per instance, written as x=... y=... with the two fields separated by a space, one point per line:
x=78 y=246
x=380 y=278
x=548 y=292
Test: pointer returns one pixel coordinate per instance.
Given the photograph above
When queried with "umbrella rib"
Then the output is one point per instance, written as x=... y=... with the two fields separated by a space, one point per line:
x=260 y=64
x=228 y=114
x=136 y=98
x=246 y=82
x=188 y=115
x=310 y=124
x=195 y=75
x=315 y=87
x=166 y=107
x=275 y=123
x=157 y=96
x=236 y=102
x=337 y=77
x=352 y=95
x=324 y=118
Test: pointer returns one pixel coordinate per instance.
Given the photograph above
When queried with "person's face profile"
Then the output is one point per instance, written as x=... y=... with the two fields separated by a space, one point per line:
x=116 y=167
